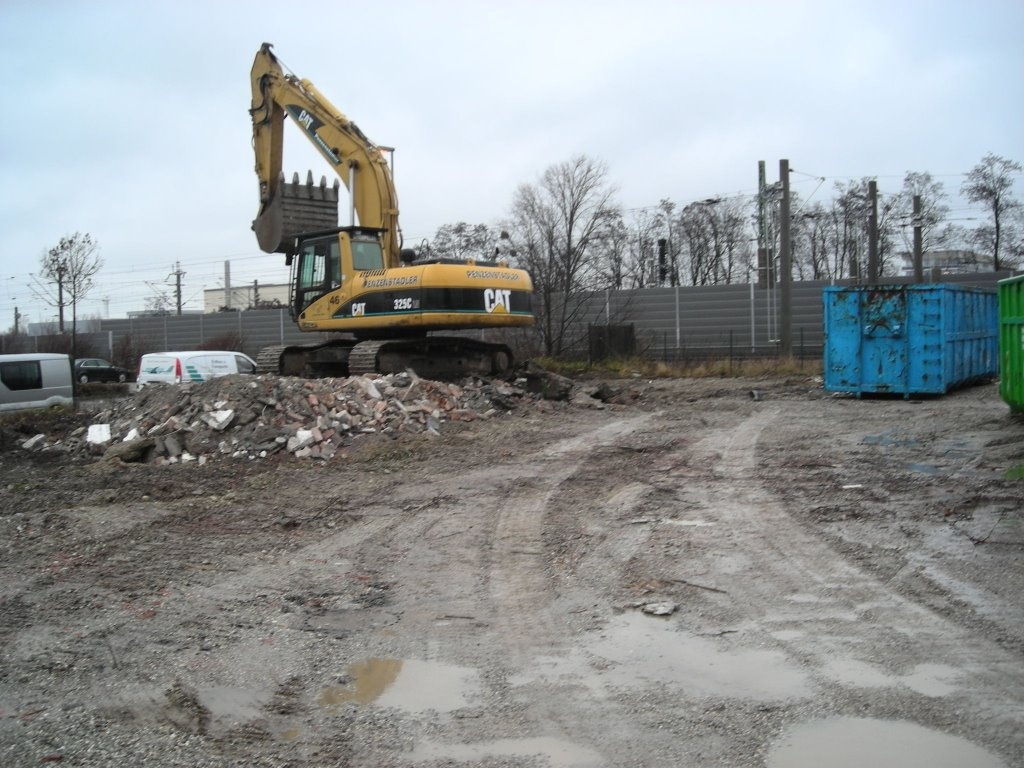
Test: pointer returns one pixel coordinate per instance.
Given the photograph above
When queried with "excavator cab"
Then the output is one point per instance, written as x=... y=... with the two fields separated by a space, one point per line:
x=324 y=260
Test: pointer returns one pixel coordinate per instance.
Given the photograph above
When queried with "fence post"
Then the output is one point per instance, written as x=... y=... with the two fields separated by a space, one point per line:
x=677 y=319
x=753 y=329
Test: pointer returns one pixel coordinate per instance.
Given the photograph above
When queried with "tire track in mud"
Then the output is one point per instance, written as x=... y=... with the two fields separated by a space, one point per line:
x=519 y=579
x=783 y=580
x=474 y=588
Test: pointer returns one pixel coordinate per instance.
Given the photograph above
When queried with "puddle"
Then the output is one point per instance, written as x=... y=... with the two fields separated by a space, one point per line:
x=857 y=674
x=933 y=680
x=887 y=438
x=643 y=650
x=927 y=469
x=856 y=742
x=556 y=753
x=220 y=707
x=408 y=684
x=342 y=622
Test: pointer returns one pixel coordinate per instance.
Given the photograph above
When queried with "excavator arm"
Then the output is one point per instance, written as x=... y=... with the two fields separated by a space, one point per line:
x=358 y=162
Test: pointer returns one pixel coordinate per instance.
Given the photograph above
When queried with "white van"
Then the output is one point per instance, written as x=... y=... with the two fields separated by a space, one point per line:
x=35 y=380
x=196 y=366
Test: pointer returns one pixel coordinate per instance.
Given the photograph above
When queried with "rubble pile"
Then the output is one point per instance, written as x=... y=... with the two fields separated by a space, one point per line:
x=257 y=416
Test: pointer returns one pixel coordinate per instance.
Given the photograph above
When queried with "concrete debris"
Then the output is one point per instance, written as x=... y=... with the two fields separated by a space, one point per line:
x=254 y=417
x=36 y=441
x=99 y=434
x=550 y=386
x=659 y=609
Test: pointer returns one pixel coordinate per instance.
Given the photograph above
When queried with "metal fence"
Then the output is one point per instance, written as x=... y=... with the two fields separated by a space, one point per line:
x=723 y=321
x=670 y=324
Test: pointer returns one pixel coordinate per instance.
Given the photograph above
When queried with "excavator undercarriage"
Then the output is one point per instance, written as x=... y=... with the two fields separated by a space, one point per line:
x=435 y=357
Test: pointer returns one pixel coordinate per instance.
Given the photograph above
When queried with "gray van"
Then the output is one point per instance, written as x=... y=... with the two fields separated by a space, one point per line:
x=35 y=380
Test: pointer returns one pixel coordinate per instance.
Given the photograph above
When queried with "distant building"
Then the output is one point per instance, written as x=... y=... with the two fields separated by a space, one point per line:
x=244 y=297
x=949 y=262
x=133 y=314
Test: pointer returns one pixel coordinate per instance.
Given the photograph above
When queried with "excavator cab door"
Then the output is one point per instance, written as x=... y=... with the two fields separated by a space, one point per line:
x=316 y=269
x=324 y=260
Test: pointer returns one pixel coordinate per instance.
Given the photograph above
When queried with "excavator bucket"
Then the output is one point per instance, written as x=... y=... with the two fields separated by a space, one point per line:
x=296 y=208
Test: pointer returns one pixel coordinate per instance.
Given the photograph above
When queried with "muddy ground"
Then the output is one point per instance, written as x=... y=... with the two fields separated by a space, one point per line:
x=720 y=572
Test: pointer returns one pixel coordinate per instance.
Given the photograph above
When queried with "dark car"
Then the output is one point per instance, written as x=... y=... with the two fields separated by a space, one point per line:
x=94 y=369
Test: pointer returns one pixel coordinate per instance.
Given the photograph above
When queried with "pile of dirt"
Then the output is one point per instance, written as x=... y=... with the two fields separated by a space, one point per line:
x=255 y=417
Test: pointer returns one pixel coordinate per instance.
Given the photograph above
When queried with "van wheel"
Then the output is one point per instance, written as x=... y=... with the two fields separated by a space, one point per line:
x=83 y=379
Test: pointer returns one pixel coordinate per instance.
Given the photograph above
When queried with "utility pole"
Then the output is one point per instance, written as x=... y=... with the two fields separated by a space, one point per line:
x=178 y=274
x=785 y=267
x=873 y=233
x=17 y=318
x=60 y=295
x=918 y=250
x=763 y=262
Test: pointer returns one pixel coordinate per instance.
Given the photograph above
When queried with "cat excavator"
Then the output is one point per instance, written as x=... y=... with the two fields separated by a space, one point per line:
x=387 y=305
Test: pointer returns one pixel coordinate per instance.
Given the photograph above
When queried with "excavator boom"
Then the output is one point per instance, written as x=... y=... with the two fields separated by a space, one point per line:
x=338 y=140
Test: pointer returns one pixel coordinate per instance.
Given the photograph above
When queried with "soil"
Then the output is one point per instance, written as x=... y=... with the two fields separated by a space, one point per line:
x=712 y=572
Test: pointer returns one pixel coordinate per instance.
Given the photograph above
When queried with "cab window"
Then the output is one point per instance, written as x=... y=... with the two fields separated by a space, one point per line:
x=366 y=255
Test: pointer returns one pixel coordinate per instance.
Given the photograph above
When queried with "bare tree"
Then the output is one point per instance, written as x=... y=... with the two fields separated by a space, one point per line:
x=464 y=241
x=696 y=230
x=990 y=182
x=1013 y=238
x=811 y=239
x=559 y=224
x=613 y=254
x=644 y=270
x=936 y=231
x=67 y=272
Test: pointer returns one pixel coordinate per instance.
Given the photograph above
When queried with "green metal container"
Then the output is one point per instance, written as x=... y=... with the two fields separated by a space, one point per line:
x=1011 y=342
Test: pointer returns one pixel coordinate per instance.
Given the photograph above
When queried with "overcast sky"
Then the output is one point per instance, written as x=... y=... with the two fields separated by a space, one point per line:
x=129 y=120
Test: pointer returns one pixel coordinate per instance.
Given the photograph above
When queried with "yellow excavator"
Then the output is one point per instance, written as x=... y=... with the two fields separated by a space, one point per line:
x=357 y=279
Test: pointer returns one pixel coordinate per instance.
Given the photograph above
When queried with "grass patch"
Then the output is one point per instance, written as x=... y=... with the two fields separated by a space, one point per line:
x=101 y=389
x=32 y=421
x=654 y=369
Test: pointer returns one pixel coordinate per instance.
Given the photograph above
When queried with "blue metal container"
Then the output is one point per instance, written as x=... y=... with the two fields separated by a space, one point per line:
x=909 y=339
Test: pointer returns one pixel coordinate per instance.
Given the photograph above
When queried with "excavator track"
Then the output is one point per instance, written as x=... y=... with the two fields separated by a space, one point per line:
x=309 y=361
x=432 y=357
x=269 y=359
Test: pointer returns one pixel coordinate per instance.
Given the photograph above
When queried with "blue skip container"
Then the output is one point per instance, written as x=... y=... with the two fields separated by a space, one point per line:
x=909 y=339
